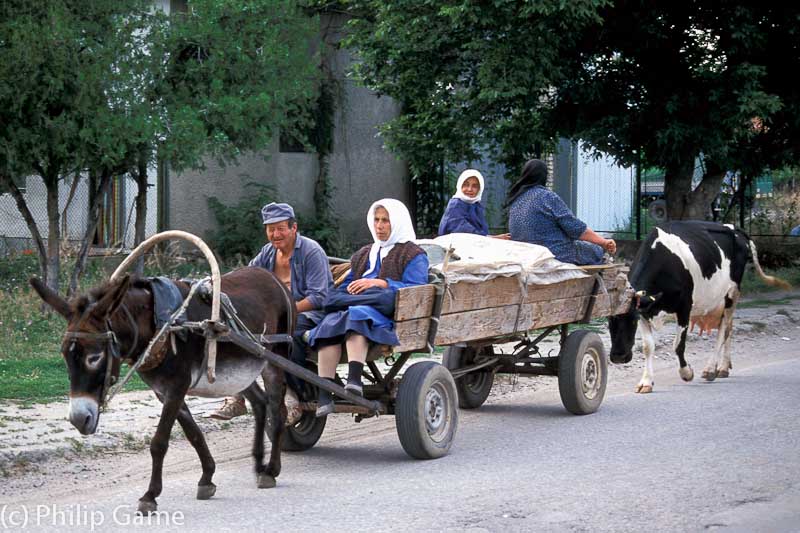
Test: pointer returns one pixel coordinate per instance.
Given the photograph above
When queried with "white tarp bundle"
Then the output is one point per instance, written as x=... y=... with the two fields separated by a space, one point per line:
x=482 y=258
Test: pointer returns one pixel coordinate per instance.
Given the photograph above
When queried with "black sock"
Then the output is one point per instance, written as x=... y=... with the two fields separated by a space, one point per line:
x=354 y=371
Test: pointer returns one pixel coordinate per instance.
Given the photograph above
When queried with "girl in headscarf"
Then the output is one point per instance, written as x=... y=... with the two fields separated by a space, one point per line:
x=539 y=216
x=392 y=262
x=465 y=212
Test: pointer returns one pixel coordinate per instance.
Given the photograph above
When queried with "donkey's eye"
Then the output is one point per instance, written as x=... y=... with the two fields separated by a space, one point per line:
x=93 y=359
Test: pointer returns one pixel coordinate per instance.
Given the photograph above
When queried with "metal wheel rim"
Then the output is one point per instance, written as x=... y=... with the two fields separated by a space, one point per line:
x=590 y=374
x=437 y=411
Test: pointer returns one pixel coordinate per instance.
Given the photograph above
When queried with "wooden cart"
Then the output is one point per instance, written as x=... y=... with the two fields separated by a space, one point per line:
x=470 y=319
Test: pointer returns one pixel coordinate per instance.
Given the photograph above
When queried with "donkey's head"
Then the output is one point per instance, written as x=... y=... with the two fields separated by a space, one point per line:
x=89 y=347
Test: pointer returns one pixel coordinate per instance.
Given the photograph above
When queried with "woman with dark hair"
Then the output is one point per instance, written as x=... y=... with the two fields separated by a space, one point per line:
x=539 y=216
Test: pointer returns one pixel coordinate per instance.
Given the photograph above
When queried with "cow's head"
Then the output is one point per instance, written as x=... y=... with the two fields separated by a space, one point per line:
x=89 y=348
x=622 y=328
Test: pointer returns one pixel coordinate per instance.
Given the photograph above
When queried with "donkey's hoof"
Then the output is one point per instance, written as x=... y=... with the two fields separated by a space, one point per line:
x=644 y=389
x=265 y=481
x=686 y=373
x=723 y=373
x=205 y=492
x=146 y=507
x=709 y=375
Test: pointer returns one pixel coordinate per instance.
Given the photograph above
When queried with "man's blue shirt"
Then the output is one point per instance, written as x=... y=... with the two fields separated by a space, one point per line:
x=311 y=275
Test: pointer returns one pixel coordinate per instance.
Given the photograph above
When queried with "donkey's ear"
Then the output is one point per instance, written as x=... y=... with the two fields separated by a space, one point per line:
x=51 y=297
x=113 y=297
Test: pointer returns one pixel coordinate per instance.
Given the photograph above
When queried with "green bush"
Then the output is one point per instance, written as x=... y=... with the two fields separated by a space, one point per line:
x=240 y=234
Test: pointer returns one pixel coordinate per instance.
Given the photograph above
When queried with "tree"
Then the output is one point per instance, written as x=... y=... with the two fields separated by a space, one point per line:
x=471 y=77
x=111 y=85
x=65 y=70
x=667 y=85
x=658 y=85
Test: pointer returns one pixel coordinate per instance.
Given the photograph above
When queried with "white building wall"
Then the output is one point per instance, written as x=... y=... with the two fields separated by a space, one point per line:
x=605 y=193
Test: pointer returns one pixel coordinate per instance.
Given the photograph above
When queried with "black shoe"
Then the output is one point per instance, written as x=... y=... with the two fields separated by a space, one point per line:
x=354 y=387
x=325 y=405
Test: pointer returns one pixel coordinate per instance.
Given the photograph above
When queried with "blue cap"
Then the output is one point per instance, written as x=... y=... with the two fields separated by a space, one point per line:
x=274 y=212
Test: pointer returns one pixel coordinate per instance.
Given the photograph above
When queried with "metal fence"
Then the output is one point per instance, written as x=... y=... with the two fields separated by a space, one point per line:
x=117 y=216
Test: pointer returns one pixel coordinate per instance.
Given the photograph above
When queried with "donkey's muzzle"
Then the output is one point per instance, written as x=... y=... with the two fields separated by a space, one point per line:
x=83 y=414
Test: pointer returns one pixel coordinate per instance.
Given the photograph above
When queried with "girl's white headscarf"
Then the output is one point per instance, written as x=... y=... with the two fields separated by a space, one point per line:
x=469 y=173
x=402 y=229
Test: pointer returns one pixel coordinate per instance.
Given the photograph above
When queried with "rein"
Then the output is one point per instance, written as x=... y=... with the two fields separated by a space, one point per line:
x=112 y=348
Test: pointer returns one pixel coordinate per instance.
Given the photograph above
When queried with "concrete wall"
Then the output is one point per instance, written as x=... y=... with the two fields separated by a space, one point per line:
x=361 y=170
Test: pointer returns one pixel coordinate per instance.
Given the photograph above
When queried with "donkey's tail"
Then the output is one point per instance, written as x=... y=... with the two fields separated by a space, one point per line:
x=769 y=280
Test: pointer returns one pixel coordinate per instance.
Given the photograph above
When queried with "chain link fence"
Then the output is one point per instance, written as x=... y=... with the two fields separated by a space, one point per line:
x=115 y=228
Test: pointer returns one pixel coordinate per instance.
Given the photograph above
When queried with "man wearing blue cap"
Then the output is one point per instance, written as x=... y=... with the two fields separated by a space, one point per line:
x=302 y=265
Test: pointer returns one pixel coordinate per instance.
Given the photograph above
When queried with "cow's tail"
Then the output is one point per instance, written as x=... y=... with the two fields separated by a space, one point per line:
x=769 y=280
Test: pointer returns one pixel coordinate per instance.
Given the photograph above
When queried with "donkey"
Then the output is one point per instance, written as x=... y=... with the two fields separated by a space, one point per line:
x=115 y=322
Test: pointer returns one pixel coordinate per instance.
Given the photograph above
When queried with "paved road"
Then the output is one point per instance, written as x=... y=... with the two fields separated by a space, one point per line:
x=689 y=457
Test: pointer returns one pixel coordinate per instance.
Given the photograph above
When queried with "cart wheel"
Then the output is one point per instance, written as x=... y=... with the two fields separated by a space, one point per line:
x=305 y=433
x=582 y=372
x=473 y=388
x=425 y=413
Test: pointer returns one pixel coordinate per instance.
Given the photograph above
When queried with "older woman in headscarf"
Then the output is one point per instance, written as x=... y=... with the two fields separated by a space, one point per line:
x=465 y=212
x=391 y=262
x=539 y=216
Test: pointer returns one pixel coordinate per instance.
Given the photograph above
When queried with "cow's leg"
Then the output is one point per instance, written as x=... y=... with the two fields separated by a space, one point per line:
x=685 y=370
x=724 y=366
x=205 y=487
x=158 y=449
x=648 y=344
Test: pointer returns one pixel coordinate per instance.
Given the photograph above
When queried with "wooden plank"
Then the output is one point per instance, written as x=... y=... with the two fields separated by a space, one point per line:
x=414 y=302
x=412 y=334
x=501 y=291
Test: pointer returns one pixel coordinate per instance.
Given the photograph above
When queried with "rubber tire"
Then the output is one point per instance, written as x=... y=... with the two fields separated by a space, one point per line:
x=419 y=381
x=307 y=431
x=304 y=434
x=473 y=388
x=570 y=380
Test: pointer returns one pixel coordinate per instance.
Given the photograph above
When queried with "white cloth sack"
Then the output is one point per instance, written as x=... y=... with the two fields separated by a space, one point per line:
x=478 y=258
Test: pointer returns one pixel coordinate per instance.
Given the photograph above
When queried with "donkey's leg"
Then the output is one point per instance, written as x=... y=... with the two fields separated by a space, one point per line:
x=205 y=488
x=258 y=401
x=275 y=389
x=158 y=449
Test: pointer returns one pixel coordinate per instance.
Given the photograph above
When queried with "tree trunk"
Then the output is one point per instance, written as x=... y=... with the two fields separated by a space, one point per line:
x=72 y=189
x=53 y=231
x=701 y=199
x=22 y=206
x=95 y=198
x=677 y=187
x=683 y=203
x=141 y=208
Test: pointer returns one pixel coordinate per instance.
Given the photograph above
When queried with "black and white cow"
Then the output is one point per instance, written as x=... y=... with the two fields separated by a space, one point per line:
x=693 y=270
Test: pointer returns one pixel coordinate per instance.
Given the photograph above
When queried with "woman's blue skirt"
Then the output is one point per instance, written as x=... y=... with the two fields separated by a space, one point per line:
x=361 y=319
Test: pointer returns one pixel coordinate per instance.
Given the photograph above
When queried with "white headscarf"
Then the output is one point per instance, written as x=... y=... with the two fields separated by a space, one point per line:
x=469 y=173
x=402 y=229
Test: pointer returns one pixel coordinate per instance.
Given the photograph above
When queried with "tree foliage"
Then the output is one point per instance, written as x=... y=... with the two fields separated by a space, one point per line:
x=666 y=84
x=106 y=87
x=654 y=84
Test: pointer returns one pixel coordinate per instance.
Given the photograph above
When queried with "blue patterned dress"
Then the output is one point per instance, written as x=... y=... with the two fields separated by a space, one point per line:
x=540 y=216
